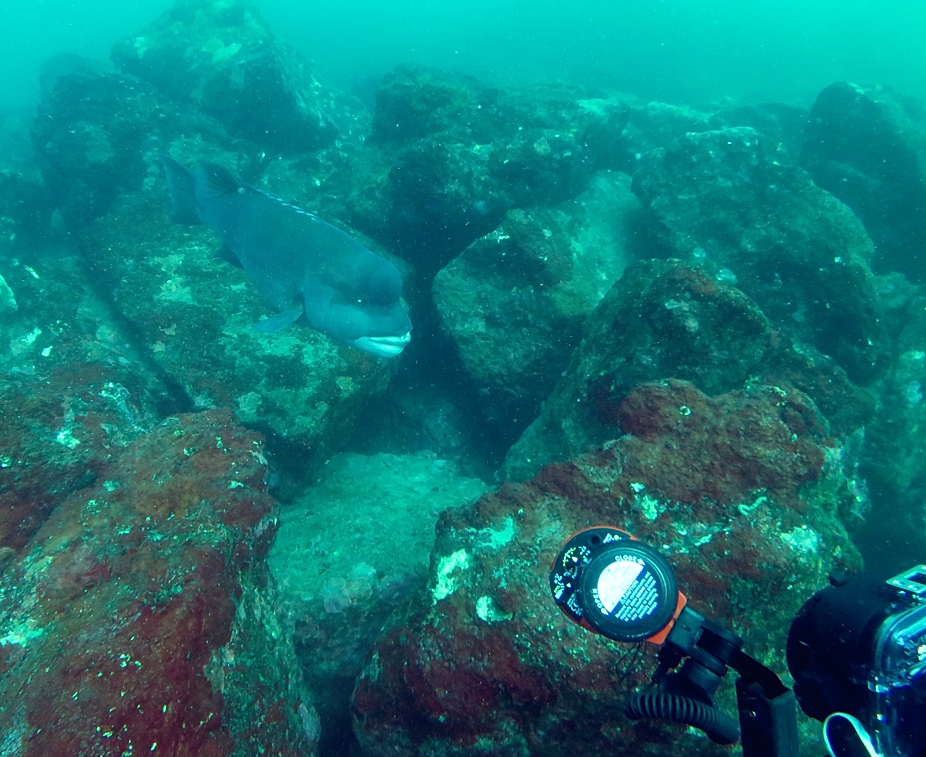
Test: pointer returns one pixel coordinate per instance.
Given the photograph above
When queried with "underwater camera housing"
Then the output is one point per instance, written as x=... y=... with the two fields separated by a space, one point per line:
x=857 y=651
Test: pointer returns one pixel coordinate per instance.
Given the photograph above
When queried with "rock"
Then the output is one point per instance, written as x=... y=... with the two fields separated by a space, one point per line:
x=60 y=65
x=441 y=193
x=26 y=206
x=98 y=135
x=622 y=130
x=782 y=124
x=75 y=389
x=458 y=154
x=894 y=449
x=743 y=494
x=515 y=300
x=868 y=147
x=348 y=552
x=730 y=201
x=193 y=312
x=141 y=617
x=437 y=196
x=661 y=320
x=221 y=57
x=651 y=125
x=415 y=102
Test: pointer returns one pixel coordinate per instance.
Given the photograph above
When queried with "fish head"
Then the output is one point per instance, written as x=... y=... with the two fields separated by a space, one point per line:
x=365 y=310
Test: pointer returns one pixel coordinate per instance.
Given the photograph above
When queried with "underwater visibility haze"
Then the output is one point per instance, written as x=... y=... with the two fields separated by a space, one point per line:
x=324 y=327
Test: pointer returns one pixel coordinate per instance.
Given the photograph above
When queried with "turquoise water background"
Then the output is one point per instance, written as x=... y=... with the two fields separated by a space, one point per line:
x=690 y=51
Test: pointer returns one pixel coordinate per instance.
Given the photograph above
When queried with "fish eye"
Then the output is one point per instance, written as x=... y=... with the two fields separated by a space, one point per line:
x=358 y=301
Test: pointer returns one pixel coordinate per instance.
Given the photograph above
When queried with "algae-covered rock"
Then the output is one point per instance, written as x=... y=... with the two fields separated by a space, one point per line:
x=894 y=449
x=141 y=618
x=867 y=145
x=220 y=56
x=75 y=388
x=661 y=320
x=741 y=492
x=350 y=550
x=94 y=133
x=443 y=192
x=515 y=300
x=731 y=201
x=414 y=102
x=25 y=207
x=457 y=154
x=783 y=124
x=651 y=125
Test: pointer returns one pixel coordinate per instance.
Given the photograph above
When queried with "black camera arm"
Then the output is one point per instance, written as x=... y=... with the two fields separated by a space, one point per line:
x=704 y=649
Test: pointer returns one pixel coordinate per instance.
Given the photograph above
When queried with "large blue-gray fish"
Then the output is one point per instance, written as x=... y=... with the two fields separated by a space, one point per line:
x=304 y=267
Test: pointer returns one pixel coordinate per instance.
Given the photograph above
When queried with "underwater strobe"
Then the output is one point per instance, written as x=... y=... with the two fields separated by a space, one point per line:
x=610 y=583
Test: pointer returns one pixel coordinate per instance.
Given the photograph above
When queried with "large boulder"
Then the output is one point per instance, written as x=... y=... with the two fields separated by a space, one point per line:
x=731 y=201
x=220 y=56
x=894 y=450
x=140 y=618
x=783 y=124
x=94 y=136
x=75 y=389
x=456 y=154
x=515 y=300
x=867 y=145
x=743 y=494
x=97 y=133
x=662 y=320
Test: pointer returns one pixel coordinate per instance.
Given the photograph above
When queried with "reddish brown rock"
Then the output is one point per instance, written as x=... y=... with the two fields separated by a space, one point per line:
x=140 y=618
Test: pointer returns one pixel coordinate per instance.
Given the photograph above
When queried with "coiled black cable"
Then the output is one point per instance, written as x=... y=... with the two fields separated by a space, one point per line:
x=720 y=727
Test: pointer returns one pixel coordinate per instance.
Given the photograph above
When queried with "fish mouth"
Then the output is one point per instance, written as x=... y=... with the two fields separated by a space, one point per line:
x=383 y=346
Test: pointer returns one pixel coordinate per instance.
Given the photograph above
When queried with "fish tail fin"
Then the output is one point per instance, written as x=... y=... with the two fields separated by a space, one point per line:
x=182 y=187
x=213 y=181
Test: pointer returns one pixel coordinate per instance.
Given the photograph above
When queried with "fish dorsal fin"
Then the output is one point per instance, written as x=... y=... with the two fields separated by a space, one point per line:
x=216 y=181
x=182 y=187
x=281 y=201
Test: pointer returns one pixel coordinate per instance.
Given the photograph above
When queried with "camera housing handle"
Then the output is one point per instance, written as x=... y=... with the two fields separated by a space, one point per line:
x=704 y=649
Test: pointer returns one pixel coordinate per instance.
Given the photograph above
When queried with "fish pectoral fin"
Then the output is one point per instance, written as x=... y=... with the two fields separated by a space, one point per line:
x=279 y=321
x=225 y=252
